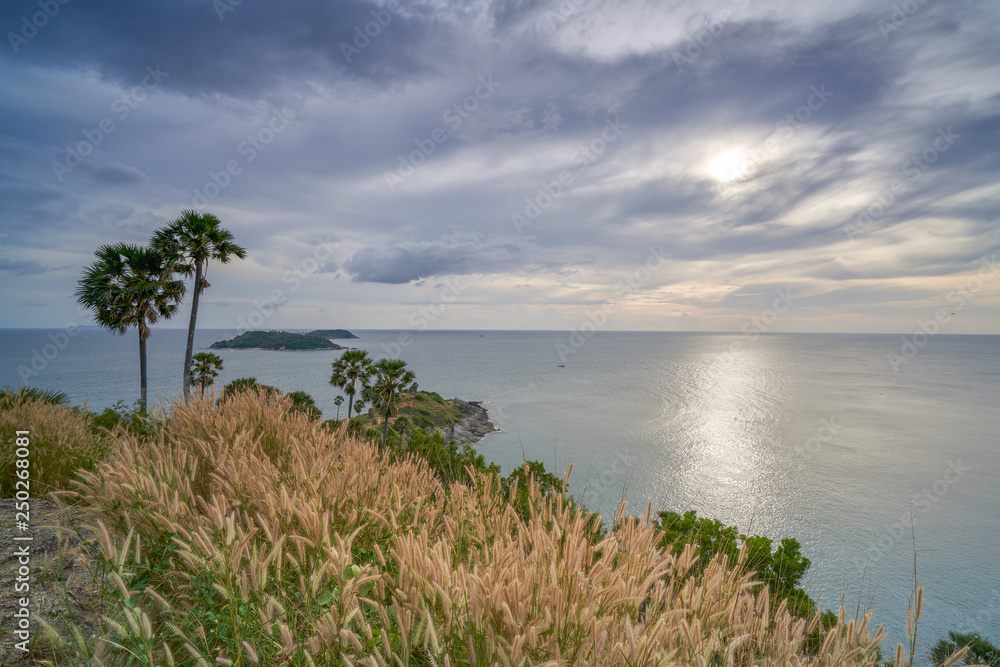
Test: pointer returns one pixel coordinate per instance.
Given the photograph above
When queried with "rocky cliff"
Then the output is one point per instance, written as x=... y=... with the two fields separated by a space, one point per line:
x=472 y=426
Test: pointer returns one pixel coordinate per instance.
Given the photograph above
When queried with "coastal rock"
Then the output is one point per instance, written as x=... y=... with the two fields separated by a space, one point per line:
x=473 y=425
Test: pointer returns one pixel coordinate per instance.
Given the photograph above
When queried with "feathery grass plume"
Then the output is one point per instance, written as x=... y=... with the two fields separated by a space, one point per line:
x=247 y=533
x=61 y=440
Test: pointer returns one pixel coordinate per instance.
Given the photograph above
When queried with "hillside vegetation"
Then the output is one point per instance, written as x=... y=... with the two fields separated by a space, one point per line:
x=420 y=409
x=332 y=333
x=276 y=340
x=244 y=532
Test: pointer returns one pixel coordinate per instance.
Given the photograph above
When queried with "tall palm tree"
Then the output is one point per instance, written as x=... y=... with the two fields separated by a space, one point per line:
x=351 y=367
x=205 y=368
x=190 y=242
x=131 y=286
x=338 y=402
x=390 y=378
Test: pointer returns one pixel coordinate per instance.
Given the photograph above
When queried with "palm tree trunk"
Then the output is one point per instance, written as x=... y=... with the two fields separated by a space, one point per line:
x=338 y=413
x=385 y=430
x=350 y=400
x=190 y=341
x=142 y=371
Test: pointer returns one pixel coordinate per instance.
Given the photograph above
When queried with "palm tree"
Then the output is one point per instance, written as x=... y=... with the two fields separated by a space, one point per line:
x=981 y=651
x=352 y=366
x=189 y=243
x=359 y=405
x=205 y=369
x=130 y=286
x=12 y=397
x=338 y=402
x=391 y=377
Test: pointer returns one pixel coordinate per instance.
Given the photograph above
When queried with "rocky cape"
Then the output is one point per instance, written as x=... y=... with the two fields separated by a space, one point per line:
x=473 y=425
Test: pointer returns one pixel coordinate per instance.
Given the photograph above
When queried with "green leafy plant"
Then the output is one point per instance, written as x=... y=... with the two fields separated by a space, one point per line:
x=981 y=651
x=135 y=420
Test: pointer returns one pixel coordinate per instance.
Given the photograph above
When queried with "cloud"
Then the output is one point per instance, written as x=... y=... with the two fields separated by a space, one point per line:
x=21 y=267
x=244 y=50
x=740 y=95
x=467 y=253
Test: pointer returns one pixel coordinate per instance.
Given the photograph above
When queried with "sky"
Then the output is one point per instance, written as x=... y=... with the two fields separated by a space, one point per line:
x=739 y=165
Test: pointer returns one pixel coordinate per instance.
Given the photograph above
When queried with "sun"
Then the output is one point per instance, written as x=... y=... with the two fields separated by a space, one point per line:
x=727 y=166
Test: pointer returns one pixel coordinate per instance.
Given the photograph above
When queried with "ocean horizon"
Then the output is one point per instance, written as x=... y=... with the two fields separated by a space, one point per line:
x=855 y=444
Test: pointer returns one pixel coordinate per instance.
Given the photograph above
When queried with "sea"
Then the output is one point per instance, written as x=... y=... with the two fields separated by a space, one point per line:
x=880 y=454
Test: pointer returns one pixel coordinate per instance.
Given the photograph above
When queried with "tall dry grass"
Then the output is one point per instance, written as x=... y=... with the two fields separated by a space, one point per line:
x=61 y=443
x=247 y=534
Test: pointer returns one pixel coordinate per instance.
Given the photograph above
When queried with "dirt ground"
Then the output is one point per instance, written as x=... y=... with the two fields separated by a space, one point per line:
x=63 y=577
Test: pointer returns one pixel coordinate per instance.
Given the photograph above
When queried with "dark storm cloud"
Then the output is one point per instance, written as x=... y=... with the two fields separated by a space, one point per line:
x=460 y=254
x=246 y=50
x=21 y=267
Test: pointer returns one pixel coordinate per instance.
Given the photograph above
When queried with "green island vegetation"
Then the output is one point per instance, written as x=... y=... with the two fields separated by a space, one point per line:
x=239 y=528
x=420 y=409
x=276 y=340
x=242 y=529
x=332 y=333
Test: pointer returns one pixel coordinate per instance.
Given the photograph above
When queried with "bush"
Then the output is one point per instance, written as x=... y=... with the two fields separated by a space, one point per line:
x=448 y=462
x=304 y=403
x=135 y=420
x=301 y=401
x=981 y=651
x=781 y=569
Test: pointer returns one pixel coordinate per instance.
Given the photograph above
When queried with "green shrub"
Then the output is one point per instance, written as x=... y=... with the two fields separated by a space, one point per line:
x=447 y=460
x=981 y=651
x=781 y=568
x=135 y=420
x=303 y=402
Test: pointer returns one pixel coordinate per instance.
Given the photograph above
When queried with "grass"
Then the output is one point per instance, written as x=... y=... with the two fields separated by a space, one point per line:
x=62 y=441
x=246 y=533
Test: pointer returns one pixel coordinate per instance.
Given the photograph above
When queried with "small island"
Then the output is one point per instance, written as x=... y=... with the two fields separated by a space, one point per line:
x=276 y=340
x=332 y=333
